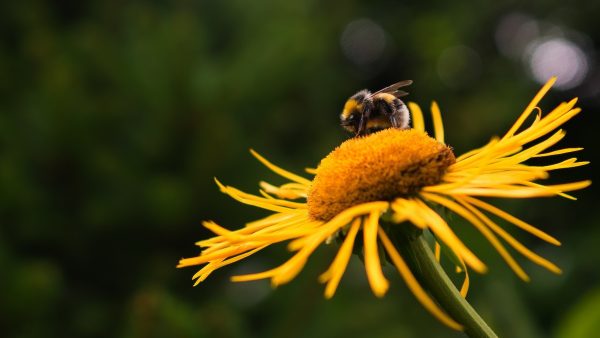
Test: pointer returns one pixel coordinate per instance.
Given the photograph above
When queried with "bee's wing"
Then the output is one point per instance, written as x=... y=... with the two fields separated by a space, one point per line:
x=399 y=93
x=393 y=89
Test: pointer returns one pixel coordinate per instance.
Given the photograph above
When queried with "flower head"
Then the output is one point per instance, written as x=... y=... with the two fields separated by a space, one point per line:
x=399 y=175
x=385 y=165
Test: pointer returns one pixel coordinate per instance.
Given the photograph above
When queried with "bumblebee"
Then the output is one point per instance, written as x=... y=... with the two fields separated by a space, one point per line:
x=367 y=112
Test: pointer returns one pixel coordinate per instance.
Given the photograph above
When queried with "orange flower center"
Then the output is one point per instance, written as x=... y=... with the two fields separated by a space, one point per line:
x=378 y=167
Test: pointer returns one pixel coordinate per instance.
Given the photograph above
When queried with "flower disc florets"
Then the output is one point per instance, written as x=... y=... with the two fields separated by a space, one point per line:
x=379 y=167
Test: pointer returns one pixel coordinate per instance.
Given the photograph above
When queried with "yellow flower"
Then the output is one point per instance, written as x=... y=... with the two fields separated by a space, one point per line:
x=402 y=175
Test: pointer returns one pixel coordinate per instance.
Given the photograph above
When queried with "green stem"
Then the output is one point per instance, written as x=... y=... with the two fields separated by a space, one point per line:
x=418 y=255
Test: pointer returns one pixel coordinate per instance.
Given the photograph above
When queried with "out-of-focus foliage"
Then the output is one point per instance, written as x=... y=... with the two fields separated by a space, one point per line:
x=115 y=116
x=583 y=320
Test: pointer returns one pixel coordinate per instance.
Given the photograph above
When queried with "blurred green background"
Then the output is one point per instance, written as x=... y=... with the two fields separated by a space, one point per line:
x=115 y=116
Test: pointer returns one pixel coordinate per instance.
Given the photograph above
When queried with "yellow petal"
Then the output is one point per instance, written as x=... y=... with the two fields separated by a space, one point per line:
x=333 y=275
x=281 y=172
x=512 y=219
x=442 y=231
x=417 y=116
x=559 y=152
x=510 y=239
x=414 y=285
x=378 y=282
x=458 y=209
x=438 y=126
x=538 y=97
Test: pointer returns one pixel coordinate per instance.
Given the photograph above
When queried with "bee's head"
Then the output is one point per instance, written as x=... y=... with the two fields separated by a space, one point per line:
x=350 y=116
x=353 y=111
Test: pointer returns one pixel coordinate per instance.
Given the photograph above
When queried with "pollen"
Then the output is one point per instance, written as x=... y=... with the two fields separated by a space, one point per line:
x=381 y=166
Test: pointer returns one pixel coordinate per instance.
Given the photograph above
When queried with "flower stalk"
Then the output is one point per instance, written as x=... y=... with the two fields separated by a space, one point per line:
x=418 y=255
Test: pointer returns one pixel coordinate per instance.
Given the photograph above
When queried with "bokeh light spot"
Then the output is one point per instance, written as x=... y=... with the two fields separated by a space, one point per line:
x=558 y=57
x=363 y=41
x=514 y=33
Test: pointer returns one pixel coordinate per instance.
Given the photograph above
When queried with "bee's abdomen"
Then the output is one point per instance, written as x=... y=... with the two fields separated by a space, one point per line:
x=393 y=109
x=378 y=122
x=398 y=104
x=386 y=104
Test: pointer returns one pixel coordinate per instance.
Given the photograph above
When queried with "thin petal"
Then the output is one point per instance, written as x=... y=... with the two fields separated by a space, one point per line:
x=538 y=97
x=464 y=289
x=414 y=285
x=458 y=209
x=281 y=172
x=288 y=270
x=438 y=126
x=212 y=266
x=442 y=231
x=334 y=274
x=378 y=282
x=269 y=220
x=417 y=116
x=510 y=239
x=266 y=204
x=306 y=245
x=270 y=200
x=343 y=218
x=265 y=226
x=226 y=252
x=548 y=124
x=508 y=191
x=285 y=191
x=559 y=152
x=512 y=219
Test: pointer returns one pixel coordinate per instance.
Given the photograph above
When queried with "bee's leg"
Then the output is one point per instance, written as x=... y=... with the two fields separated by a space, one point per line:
x=359 y=126
x=364 y=118
x=362 y=123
